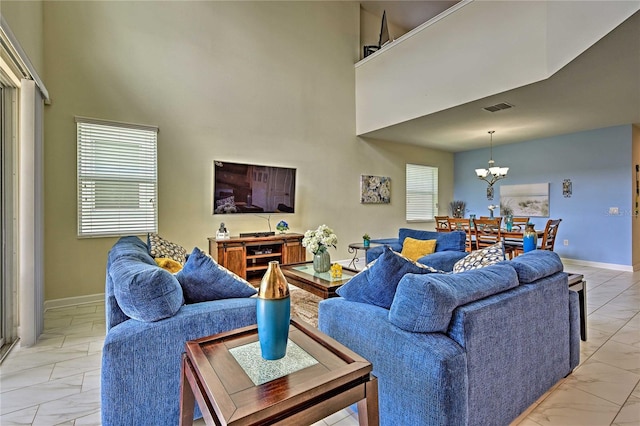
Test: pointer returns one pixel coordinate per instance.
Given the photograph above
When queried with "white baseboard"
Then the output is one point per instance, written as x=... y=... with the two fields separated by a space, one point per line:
x=612 y=266
x=73 y=301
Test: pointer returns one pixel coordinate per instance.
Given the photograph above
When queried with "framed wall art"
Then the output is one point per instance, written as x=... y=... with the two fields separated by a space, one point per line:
x=530 y=200
x=375 y=189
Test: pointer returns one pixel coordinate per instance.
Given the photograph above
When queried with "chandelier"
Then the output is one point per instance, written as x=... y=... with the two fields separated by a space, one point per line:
x=493 y=173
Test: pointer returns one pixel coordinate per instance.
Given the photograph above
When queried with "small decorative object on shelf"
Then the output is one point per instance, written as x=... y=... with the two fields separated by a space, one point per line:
x=273 y=313
x=318 y=242
x=282 y=226
x=508 y=221
x=529 y=238
x=222 y=232
x=336 y=270
x=366 y=240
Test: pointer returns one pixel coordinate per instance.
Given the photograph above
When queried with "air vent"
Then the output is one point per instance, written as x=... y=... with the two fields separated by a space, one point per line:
x=498 y=107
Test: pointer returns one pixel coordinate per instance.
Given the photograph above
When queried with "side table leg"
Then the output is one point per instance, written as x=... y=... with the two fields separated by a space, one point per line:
x=355 y=259
x=582 y=298
x=187 y=398
x=368 y=407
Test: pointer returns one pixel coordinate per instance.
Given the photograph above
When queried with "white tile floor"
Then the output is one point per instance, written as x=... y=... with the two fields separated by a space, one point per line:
x=57 y=382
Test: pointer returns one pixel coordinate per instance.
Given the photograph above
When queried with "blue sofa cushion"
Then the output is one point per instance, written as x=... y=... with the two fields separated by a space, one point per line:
x=446 y=241
x=480 y=258
x=536 y=264
x=377 y=284
x=425 y=303
x=145 y=292
x=203 y=279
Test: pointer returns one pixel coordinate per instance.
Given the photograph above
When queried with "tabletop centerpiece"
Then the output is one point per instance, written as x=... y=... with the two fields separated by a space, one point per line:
x=318 y=242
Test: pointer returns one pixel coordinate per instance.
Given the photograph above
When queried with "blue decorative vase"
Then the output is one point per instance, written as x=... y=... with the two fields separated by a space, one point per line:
x=509 y=222
x=366 y=243
x=273 y=312
x=321 y=261
x=529 y=238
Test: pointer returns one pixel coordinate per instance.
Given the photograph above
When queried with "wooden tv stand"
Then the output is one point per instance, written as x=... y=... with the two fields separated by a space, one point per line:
x=248 y=257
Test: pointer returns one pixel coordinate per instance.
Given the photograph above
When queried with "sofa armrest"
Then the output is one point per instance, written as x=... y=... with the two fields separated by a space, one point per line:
x=140 y=376
x=443 y=260
x=421 y=364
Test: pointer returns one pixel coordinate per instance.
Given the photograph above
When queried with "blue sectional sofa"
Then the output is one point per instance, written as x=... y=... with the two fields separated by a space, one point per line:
x=450 y=247
x=141 y=356
x=472 y=348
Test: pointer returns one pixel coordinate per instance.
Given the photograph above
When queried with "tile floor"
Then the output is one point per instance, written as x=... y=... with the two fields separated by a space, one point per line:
x=57 y=382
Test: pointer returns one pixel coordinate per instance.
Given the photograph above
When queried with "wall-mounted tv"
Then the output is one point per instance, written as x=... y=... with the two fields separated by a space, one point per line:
x=250 y=188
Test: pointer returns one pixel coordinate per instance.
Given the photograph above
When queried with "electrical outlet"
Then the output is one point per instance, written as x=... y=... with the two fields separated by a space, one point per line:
x=614 y=211
x=566 y=242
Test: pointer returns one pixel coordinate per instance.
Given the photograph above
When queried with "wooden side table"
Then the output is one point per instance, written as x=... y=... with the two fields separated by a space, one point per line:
x=579 y=285
x=233 y=385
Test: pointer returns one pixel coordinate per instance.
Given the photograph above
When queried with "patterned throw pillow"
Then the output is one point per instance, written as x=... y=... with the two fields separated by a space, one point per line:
x=480 y=258
x=415 y=249
x=159 y=247
x=203 y=279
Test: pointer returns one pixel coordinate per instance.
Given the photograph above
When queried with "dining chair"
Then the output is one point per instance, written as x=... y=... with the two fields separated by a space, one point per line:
x=549 y=237
x=460 y=224
x=487 y=232
x=442 y=223
x=519 y=223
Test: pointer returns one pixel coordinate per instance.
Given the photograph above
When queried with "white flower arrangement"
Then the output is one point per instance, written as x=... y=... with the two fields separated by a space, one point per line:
x=318 y=241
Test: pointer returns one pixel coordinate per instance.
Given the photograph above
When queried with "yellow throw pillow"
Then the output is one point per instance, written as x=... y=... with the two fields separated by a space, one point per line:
x=415 y=249
x=170 y=265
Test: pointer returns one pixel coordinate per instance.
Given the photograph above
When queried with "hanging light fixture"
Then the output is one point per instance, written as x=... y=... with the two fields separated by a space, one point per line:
x=493 y=173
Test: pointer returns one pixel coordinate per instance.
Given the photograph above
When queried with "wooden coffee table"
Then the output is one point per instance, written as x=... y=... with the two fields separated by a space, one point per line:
x=321 y=284
x=233 y=385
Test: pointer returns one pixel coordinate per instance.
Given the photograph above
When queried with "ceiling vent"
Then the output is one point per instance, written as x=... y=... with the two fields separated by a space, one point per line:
x=498 y=107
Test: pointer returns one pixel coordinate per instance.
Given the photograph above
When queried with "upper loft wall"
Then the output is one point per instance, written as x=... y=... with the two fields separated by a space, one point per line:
x=25 y=20
x=474 y=50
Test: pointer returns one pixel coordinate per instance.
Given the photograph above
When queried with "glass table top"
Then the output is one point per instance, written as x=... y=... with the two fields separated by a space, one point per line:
x=261 y=371
x=308 y=269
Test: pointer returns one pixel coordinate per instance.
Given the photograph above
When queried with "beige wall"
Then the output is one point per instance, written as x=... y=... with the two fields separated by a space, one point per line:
x=25 y=18
x=265 y=82
x=635 y=221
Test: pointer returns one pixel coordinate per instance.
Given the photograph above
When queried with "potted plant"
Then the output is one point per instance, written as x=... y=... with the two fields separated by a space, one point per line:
x=366 y=240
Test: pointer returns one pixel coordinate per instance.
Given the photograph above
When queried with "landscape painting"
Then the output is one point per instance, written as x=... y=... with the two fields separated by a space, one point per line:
x=531 y=200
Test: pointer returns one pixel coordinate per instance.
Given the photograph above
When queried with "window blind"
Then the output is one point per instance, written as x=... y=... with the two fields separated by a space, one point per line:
x=117 y=178
x=422 y=192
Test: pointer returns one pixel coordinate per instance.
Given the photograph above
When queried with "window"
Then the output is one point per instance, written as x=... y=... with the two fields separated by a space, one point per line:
x=422 y=193
x=117 y=178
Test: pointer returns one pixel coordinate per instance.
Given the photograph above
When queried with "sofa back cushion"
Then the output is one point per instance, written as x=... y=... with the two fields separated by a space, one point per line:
x=536 y=264
x=445 y=241
x=144 y=292
x=425 y=303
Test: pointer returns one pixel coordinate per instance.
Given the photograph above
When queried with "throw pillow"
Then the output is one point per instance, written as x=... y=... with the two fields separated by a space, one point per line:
x=159 y=247
x=168 y=264
x=480 y=258
x=145 y=292
x=415 y=249
x=377 y=284
x=203 y=279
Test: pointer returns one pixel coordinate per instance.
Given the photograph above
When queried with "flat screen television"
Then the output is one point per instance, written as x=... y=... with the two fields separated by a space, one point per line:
x=251 y=188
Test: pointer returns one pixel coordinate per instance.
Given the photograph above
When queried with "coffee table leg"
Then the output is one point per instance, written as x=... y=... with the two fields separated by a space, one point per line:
x=368 y=407
x=187 y=398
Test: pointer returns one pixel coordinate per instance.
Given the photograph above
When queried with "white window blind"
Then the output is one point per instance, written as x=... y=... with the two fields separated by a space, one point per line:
x=422 y=192
x=117 y=178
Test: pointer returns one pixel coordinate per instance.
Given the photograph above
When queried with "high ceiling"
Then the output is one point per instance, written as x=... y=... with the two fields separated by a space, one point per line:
x=600 y=88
